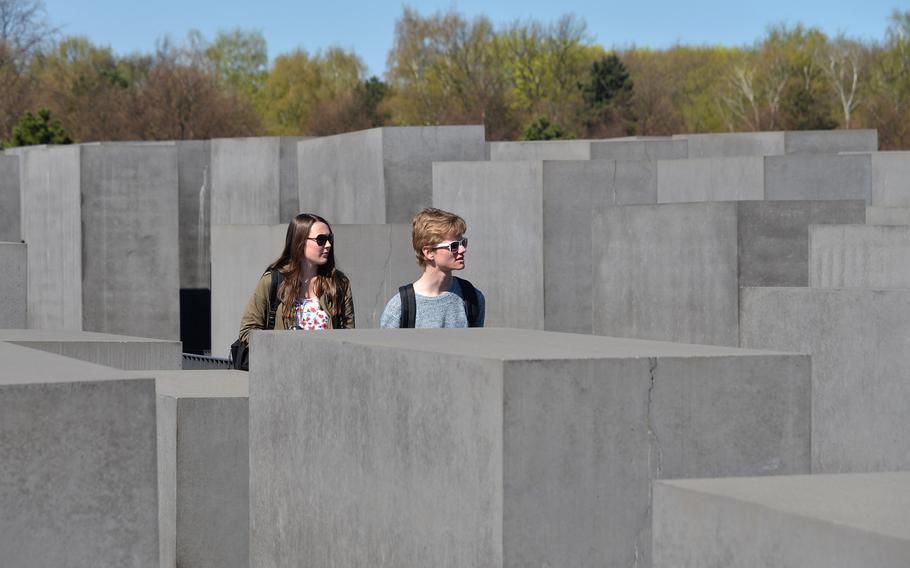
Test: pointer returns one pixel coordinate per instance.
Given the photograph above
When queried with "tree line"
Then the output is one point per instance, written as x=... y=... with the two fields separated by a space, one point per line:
x=524 y=80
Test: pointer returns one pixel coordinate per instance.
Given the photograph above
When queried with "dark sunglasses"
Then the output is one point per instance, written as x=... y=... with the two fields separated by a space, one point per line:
x=453 y=246
x=321 y=240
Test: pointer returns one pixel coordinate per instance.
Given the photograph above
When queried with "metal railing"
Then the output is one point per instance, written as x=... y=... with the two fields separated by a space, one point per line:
x=194 y=362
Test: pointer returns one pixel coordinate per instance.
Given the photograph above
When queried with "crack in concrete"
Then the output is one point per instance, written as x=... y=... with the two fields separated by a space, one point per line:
x=655 y=462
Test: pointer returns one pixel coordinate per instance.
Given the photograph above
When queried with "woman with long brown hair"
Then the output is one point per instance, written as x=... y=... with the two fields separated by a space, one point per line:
x=312 y=293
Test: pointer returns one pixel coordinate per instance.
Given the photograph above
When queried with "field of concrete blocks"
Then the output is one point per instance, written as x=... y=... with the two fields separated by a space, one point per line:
x=697 y=354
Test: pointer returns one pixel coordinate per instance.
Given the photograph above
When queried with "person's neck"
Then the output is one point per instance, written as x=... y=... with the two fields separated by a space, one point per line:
x=433 y=282
x=307 y=274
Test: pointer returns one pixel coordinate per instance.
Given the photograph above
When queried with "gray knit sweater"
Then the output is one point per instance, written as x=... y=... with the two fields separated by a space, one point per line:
x=444 y=310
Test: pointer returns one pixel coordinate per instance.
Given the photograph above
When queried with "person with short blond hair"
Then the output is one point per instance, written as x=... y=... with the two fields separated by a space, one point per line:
x=437 y=298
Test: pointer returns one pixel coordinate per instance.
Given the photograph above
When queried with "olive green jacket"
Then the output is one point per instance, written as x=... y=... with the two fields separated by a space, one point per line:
x=256 y=313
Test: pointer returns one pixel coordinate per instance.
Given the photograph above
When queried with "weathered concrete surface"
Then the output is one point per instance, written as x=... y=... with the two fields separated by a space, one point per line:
x=858 y=342
x=891 y=179
x=502 y=203
x=118 y=351
x=710 y=179
x=818 y=177
x=673 y=272
x=489 y=447
x=376 y=258
x=888 y=215
x=78 y=473
x=774 y=237
x=381 y=175
x=10 y=211
x=52 y=227
x=859 y=256
x=728 y=145
x=640 y=149
x=288 y=175
x=194 y=180
x=245 y=181
x=130 y=252
x=13 y=285
x=812 y=521
x=780 y=143
x=537 y=150
x=203 y=454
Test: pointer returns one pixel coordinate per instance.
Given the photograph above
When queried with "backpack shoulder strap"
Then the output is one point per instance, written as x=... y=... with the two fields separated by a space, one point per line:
x=273 y=298
x=408 y=306
x=471 y=309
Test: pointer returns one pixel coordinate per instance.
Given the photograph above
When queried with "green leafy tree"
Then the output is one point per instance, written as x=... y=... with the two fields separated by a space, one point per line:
x=239 y=60
x=35 y=129
x=542 y=129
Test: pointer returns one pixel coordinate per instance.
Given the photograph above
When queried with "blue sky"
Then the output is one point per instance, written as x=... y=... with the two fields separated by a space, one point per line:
x=367 y=27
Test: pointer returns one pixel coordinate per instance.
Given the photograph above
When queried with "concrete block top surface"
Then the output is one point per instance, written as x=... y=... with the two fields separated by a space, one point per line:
x=67 y=335
x=506 y=344
x=22 y=365
x=220 y=383
x=873 y=502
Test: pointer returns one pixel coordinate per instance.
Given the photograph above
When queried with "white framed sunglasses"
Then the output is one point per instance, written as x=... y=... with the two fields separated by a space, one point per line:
x=453 y=246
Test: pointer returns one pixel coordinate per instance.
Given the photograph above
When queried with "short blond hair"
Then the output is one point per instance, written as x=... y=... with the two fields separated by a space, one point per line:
x=431 y=226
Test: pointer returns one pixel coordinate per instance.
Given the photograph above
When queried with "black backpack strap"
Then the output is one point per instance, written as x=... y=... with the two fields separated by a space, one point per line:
x=408 y=306
x=273 y=298
x=471 y=308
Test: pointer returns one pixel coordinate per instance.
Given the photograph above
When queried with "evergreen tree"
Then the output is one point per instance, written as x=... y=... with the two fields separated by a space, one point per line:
x=35 y=129
x=542 y=129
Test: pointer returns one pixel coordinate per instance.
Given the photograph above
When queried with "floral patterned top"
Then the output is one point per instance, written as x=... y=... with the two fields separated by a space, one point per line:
x=309 y=315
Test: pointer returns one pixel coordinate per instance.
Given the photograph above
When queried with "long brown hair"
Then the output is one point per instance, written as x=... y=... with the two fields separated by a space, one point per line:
x=327 y=279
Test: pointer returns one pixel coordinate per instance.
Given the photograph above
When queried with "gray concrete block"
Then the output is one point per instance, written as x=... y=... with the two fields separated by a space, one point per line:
x=888 y=215
x=858 y=342
x=780 y=143
x=10 y=211
x=673 y=271
x=52 y=227
x=246 y=181
x=130 y=252
x=812 y=521
x=489 y=447
x=734 y=144
x=640 y=149
x=502 y=203
x=78 y=472
x=13 y=285
x=288 y=191
x=376 y=258
x=194 y=181
x=774 y=237
x=537 y=150
x=117 y=351
x=711 y=179
x=891 y=179
x=859 y=256
x=203 y=460
x=381 y=175
x=667 y=272
x=830 y=141
x=820 y=176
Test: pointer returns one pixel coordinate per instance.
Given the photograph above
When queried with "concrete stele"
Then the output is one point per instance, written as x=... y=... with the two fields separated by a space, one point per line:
x=498 y=447
x=130 y=251
x=859 y=256
x=117 y=351
x=78 y=475
x=13 y=285
x=203 y=462
x=10 y=210
x=858 y=342
x=672 y=272
x=245 y=181
x=382 y=175
x=52 y=227
x=811 y=521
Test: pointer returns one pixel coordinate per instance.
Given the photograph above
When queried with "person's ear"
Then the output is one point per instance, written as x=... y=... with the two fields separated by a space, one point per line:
x=428 y=253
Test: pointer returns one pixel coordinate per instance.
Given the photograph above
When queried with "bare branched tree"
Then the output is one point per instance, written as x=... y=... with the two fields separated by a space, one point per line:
x=840 y=63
